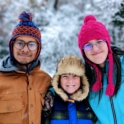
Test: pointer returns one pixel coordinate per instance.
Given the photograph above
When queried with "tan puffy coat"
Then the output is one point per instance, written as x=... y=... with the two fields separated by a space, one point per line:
x=21 y=96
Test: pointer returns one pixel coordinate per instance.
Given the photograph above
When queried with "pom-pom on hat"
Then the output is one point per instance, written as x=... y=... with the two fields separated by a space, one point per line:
x=26 y=27
x=94 y=30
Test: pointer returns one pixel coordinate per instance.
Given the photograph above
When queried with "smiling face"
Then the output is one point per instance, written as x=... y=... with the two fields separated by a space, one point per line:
x=24 y=56
x=98 y=54
x=70 y=83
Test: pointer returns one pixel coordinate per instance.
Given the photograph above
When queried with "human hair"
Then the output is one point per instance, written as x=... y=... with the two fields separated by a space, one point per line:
x=116 y=53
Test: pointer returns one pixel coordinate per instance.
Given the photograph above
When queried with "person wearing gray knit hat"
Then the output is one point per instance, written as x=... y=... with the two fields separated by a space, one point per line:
x=71 y=90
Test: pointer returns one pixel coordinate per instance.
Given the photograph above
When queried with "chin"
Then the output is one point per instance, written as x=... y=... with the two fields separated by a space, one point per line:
x=23 y=62
x=101 y=64
x=98 y=61
x=71 y=92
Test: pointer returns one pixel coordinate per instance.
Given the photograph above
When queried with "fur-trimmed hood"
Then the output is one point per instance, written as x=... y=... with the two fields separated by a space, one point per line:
x=73 y=65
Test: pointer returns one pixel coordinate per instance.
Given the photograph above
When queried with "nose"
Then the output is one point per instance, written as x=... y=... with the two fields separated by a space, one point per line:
x=70 y=80
x=25 y=49
x=95 y=47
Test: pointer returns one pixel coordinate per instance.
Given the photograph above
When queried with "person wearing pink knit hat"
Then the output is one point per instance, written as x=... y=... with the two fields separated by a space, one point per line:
x=104 y=70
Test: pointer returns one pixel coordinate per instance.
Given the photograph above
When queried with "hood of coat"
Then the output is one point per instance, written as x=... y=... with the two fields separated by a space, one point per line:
x=71 y=65
x=79 y=95
x=7 y=65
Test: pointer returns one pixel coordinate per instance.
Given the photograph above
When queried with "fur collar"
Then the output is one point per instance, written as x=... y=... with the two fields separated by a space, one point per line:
x=78 y=95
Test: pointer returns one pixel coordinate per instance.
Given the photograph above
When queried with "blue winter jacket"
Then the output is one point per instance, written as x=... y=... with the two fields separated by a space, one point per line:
x=70 y=113
x=65 y=111
x=109 y=110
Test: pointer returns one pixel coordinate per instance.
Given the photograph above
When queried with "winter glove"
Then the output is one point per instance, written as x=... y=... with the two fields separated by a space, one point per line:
x=48 y=103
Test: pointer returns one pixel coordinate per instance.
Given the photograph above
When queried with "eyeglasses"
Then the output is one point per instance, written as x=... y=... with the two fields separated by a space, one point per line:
x=89 y=46
x=20 y=44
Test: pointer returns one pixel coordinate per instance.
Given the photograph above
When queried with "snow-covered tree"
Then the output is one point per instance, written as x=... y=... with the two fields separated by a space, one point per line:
x=118 y=24
x=59 y=22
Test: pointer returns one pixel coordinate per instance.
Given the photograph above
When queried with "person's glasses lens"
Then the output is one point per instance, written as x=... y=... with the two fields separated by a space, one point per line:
x=87 y=47
x=32 y=45
x=19 y=44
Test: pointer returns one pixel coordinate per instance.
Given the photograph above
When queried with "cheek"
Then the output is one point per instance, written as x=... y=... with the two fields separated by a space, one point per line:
x=35 y=54
x=63 y=83
x=107 y=51
x=87 y=54
x=106 y=54
x=78 y=84
x=14 y=52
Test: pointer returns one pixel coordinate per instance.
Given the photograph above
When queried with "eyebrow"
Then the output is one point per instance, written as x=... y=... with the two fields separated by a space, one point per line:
x=27 y=41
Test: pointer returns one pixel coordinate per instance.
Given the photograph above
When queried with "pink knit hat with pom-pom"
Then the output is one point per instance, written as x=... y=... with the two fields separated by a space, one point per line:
x=91 y=30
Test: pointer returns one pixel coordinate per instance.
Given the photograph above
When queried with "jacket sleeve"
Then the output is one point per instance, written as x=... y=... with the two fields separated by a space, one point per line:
x=45 y=119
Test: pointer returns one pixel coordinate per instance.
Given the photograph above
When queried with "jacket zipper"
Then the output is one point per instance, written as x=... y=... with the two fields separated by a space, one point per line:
x=111 y=101
x=113 y=110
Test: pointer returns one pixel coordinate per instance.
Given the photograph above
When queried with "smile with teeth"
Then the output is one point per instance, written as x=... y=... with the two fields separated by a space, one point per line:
x=70 y=85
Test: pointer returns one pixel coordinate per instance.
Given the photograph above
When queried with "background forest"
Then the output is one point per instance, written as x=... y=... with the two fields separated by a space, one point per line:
x=60 y=22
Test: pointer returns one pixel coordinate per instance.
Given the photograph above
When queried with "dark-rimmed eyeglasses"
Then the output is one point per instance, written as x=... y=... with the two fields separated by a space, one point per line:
x=20 y=44
x=89 y=46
